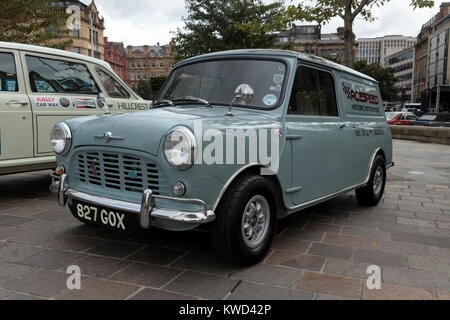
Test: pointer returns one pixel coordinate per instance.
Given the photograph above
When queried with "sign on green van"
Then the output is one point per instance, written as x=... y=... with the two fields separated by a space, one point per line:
x=40 y=87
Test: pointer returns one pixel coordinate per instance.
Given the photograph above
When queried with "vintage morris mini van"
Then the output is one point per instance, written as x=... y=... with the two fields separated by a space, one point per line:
x=40 y=87
x=236 y=139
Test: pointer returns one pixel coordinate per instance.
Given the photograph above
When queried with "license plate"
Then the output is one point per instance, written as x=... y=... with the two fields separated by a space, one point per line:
x=103 y=216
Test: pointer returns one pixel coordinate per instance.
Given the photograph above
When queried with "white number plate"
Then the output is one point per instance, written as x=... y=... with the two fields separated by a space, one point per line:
x=102 y=216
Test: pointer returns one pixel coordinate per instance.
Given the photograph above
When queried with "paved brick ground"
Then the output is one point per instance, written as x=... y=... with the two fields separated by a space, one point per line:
x=320 y=253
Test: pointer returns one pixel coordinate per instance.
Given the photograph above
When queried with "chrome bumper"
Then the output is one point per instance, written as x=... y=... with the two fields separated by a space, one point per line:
x=146 y=209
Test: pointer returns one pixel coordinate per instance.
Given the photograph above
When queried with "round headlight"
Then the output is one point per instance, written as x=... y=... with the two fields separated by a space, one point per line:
x=61 y=138
x=180 y=148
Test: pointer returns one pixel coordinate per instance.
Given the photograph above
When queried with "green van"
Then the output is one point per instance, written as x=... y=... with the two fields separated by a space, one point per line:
x=40 y=87
x=234 y=139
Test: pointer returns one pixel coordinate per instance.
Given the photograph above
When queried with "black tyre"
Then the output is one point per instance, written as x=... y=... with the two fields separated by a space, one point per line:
x=372 y=193
x=245 y=221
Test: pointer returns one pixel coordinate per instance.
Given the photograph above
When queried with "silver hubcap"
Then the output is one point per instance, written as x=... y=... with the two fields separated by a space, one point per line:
x=255 y=221
x=378 y=180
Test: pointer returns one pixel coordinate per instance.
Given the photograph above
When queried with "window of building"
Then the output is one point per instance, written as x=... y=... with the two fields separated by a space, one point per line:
x=313 y=93
x=138 y=65
x=153 y=65
x=132 y=76
x=77 y=49
x=132 y=65
x=76 y=32
x=144 y=76
x=112 y=86
x=161 y=64
x=153 y=74
x=49 y=75
x=138 y=76
x=161 y=73
x=144 y=65
x=8 y=75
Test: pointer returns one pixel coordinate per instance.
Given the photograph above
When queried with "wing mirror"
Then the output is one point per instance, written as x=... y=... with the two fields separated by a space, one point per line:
x=243 y=94
x=101 y=102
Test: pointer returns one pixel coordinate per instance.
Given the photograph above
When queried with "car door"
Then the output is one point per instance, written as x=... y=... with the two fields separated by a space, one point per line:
x=59 y=88
x=319 y=139
x=16 y=128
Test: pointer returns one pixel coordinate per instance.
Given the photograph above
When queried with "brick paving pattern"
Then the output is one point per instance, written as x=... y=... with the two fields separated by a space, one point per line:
x=319 y=253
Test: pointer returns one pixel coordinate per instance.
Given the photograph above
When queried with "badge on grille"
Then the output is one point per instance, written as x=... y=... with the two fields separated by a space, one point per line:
x=108 y=136
x=93 y=169
x=132 y=174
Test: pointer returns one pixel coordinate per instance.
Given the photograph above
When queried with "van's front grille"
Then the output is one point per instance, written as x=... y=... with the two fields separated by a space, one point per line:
x=118 y=171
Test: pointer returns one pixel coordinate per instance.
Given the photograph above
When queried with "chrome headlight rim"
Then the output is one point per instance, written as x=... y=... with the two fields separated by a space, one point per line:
x=193 y=146
x=67 y=138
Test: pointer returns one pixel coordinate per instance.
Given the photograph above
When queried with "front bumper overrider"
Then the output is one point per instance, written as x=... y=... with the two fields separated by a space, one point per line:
x=146 y=210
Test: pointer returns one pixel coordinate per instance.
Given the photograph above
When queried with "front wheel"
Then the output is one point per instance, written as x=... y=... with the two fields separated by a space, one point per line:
x=371 y=194
x=245 y=221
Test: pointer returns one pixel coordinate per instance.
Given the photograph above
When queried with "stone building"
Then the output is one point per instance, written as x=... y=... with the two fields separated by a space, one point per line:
x=376 y=50
x=145 y=62
x=310 y=39
x=116 y=56
x=432 y=67
x=403 y=64
x=83 y=40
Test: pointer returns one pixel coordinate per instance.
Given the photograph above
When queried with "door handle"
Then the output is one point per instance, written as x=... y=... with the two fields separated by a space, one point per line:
x=17 y=103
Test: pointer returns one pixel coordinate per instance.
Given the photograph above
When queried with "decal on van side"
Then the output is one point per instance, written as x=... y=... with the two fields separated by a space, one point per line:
x=46 y=102
x=81 y=103
x=359 y=96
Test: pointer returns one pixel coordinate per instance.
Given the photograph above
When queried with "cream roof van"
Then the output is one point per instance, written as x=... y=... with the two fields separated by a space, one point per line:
x=40 y=87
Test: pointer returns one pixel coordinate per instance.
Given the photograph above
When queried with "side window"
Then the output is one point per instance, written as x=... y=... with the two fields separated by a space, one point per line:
x=313 y=94
x=50 y=76
x=113 y=88
x=8 y=74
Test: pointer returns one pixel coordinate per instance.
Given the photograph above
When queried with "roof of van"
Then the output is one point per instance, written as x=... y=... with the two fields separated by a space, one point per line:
x=286 y=53
x=51 y=51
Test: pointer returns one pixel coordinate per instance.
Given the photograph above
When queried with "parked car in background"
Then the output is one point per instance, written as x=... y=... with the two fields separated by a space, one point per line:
x=40 y=87
x=433 y=120
x=175 y=166
x=400 y=118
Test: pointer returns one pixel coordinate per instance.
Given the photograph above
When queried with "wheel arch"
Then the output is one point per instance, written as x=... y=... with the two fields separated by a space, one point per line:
x=254 y=169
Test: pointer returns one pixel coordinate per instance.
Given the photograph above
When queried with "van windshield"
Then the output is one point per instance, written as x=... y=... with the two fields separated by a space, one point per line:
x=216 y=81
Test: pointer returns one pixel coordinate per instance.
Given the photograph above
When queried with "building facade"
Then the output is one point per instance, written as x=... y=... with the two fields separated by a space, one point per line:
x=376 y=50
x=145 y=62
x=310 y=39
x=432 y=67
x=86 y=39
x=116 y=56
x=402 y=63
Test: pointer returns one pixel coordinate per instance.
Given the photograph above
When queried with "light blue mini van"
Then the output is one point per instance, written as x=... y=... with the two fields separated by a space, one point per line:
x=234 y=139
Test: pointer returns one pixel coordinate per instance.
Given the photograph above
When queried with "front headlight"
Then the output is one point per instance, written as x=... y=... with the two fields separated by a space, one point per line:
x=180 y=148
x=61 y=138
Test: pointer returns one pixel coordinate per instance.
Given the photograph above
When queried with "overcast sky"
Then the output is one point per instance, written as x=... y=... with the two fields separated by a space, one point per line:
x=139 y=22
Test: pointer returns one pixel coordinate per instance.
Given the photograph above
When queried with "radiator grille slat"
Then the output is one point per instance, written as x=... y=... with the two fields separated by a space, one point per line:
x=118 y=172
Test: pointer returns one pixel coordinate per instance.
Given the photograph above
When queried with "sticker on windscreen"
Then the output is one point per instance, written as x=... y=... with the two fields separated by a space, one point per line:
x=270 y=99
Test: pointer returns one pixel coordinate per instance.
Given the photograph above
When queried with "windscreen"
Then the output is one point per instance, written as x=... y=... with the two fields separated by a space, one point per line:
x=217 y=80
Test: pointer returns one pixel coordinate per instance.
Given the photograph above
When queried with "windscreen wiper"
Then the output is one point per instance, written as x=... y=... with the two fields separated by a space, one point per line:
x=161 y=103
x=192 y=99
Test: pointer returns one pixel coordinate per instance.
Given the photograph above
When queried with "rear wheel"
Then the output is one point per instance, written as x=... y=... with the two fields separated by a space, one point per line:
x=371 y=194
x=245 y=221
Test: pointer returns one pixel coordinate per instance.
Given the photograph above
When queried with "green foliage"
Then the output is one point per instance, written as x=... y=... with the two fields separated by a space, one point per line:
x=144 y=89
x=217 y=25
x=156 y=83
x=36 y=22
x=385 y=77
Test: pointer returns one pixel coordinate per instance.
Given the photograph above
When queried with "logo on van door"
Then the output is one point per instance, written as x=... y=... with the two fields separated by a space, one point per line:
x=64 y=102
x=358 y=95
x=46 y=102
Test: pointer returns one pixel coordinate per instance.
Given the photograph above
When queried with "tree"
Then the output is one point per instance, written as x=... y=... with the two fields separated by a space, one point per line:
x=156 y=83
x=36 y=22
x=144 y=89
x=217 y=25
x=384 y=76
x=348 y=10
